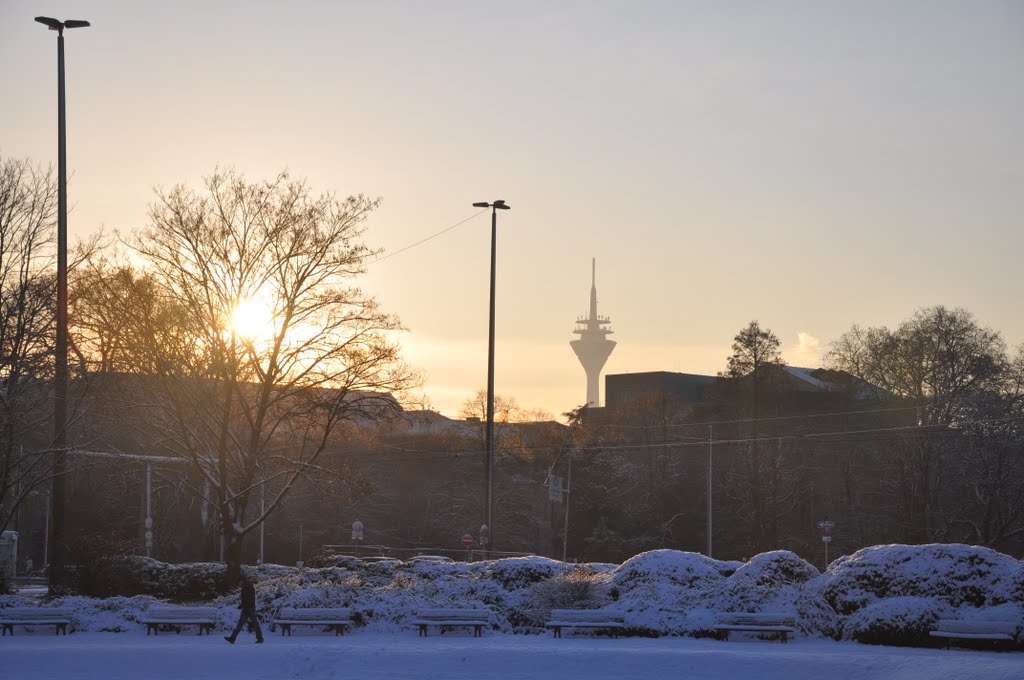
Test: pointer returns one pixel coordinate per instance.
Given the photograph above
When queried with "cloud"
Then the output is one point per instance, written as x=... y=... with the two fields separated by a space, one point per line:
x=806 y=352
x=808 y=343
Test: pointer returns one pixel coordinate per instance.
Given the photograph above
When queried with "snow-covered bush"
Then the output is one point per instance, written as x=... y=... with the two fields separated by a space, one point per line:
x=956 y=574
x=331 y=560
x=577 y=588
x=899 y=621
x=130 y=575
x=764 y=581
x=659 y=591
x=513 y=573
x=779 y=582
x=885 y=594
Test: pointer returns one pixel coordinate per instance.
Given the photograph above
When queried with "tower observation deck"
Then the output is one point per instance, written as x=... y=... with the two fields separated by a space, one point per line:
x=593 y=346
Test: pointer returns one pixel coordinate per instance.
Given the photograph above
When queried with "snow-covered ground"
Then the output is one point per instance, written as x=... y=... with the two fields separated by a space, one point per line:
x=455 y=656
x=888 y=595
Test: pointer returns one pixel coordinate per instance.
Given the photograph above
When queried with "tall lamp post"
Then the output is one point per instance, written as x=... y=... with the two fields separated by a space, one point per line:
x=60 y=387
x=489 y=484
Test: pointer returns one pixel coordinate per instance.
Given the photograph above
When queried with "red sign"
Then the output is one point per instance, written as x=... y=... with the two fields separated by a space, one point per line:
x=467 y=540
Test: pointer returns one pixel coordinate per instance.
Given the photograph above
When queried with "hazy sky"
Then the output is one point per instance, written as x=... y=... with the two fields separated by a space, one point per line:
x=807 y=164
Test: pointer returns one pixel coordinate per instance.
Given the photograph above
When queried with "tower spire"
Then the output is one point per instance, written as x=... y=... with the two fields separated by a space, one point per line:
x=593 y=346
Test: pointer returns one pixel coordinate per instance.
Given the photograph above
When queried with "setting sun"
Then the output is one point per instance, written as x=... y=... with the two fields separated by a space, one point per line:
x=253 y=319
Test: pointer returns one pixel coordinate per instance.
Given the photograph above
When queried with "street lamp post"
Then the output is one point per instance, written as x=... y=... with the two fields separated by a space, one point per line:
x=711 y=448
x=489 y=467
x=60 y=388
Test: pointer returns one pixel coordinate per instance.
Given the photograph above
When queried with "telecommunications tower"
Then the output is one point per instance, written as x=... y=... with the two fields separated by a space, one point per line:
x=593 y=346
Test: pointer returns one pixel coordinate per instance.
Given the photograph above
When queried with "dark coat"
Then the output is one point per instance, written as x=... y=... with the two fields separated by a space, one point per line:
x=248 y=602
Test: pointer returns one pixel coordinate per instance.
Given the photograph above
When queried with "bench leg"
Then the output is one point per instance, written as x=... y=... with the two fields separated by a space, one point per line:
x=423 y=630
x=8 y=628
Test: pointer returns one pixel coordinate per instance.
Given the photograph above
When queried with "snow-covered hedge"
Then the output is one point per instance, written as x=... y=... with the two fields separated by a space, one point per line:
x=135 y=575
x=903 y=621
x=952 y=573
x=885 y=594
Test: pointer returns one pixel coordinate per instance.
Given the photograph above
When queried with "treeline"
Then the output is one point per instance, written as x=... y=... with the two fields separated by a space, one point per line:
x=917 y=439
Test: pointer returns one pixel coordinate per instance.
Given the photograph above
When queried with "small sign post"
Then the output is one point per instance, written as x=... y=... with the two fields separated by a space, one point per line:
x=826 y=526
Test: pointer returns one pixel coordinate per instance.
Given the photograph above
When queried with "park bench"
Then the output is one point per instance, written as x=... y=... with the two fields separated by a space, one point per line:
x=477 y=618
x=34 y=616
x=996 y=631
x=175 y=617
x=779 y=625
x=334 y=618
x=585 y=618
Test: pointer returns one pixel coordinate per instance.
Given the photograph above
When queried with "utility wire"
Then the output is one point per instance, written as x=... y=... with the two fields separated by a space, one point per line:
x=433 y=236
x=834 y=437
x=763 y=420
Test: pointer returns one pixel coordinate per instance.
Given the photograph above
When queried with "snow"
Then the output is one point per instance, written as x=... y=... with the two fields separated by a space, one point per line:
x=455 y=656
x=805 y=375
x=884 y=595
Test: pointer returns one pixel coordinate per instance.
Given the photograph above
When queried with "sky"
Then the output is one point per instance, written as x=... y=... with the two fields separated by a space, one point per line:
x=810 y=165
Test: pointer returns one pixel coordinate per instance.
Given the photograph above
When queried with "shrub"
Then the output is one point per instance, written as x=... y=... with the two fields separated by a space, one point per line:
x=324 y=559
x=898 y=621
x=956 y=574
x=763 y=581
x=134 y=575
x=514 y=573
x=574 y=589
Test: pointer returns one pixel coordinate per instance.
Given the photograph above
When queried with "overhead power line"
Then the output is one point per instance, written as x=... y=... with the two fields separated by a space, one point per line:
x=432 y=236
x=765 y=419
x=836 y=436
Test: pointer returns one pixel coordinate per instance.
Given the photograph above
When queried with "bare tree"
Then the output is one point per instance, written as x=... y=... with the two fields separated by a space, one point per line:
x=940 y=361
x=276 y=348
x=28 y=206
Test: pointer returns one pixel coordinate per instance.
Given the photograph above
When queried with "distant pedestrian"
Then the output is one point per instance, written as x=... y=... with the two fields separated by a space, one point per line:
x=247 y=612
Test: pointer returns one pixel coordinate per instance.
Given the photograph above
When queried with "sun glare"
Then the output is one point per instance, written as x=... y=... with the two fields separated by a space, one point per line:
x=253 y=319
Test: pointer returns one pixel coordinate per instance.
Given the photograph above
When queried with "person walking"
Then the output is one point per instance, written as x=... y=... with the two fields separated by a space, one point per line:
x=247 y=612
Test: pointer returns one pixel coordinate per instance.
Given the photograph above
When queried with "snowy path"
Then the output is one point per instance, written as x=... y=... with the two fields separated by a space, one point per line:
x=372 y=656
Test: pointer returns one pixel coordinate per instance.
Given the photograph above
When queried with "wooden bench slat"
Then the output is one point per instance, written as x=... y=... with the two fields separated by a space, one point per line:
x=34 y=616
x=956 y=629
x=958 y=626
x=585 y=618
x=478 y=618
x=337 y=618
x=204 y=617
x=970 y=636
x=783 y=625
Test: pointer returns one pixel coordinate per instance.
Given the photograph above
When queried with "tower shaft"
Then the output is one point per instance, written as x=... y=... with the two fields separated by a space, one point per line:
x=593 y=346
